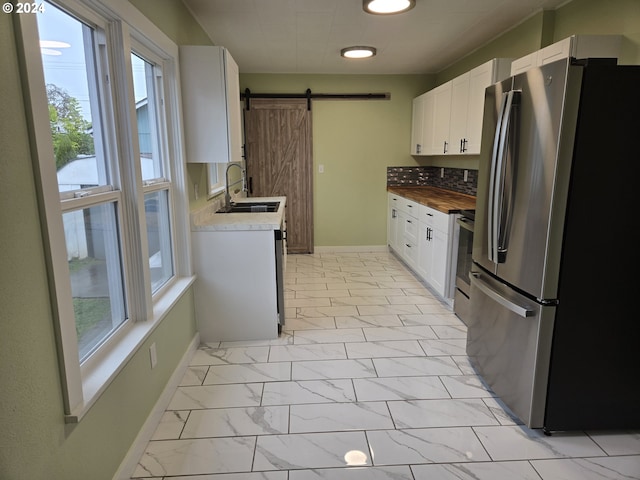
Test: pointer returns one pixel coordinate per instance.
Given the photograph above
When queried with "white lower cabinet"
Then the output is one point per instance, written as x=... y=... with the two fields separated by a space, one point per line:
x=433 y=257
x=236 y=291
x=425 y=240
x=409 y=226
x=393 y=219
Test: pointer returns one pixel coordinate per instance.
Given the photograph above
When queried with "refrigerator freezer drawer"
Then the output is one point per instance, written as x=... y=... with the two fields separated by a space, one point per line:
x=509 y=344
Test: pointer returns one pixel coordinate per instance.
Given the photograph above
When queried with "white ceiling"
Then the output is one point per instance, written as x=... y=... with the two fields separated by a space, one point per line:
x=306 y=36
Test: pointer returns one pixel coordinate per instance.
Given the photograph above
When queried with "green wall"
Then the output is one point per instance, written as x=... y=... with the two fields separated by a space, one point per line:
x=526 y=37
x=174 y=20
x=589 y=17
x=355 y=141
x=35 y=443
x=619 y=17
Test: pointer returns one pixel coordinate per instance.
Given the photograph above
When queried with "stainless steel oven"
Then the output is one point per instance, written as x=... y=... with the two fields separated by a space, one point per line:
x=466 y=221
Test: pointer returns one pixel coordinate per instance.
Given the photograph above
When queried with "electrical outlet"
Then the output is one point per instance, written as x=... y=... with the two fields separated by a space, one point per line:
x=320 y=168
x=153 y=355
x=466 y=176
x=442 y=172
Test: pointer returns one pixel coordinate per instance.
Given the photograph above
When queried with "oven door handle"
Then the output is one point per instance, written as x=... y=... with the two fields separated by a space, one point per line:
x=465 y=223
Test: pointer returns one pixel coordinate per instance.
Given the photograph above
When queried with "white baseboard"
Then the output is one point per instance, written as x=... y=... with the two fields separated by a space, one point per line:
x=136 y=450
x=351 y=249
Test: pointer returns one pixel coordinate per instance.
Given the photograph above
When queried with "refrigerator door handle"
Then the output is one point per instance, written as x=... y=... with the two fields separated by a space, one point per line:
x=520 y=310
x=493 y=205
x=497 y=187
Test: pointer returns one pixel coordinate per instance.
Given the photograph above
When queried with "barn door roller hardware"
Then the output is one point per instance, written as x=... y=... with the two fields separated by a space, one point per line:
x=247 y=96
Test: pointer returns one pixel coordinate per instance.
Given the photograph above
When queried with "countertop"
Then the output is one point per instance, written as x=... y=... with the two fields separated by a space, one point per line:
x=207 y=220
x=445 y=201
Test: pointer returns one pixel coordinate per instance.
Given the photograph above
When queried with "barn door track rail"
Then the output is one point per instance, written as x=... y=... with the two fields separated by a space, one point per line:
x=247 y=96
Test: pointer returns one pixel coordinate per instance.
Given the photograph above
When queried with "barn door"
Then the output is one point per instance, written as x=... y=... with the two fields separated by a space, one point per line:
x=279 y=162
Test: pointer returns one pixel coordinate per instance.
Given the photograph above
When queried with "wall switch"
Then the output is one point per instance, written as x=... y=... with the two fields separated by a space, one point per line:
x=466 y=176
x=442 y=172
x=320 y=168
x=153 y=355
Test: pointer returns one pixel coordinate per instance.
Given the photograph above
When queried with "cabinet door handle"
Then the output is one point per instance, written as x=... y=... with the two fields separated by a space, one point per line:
x=418 y=148
x=409 y=221
x=446 y=144
x=394 y=214
x=461 y=147
x=464 y=145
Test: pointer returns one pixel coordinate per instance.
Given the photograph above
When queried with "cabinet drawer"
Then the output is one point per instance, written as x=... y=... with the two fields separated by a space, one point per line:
x=434 y=219
x=410 y=253
x=394 y=200
x=410 y=229
x=404 y=205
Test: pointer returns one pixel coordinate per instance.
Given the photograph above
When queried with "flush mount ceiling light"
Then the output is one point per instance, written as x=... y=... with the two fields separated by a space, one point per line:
x=358 y=52
x=387 y=7
x=50 y=47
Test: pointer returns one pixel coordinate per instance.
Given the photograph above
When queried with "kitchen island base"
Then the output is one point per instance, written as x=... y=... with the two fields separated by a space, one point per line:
x=236 y=288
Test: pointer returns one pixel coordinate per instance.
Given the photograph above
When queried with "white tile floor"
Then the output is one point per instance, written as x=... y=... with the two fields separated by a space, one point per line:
x=368 y=381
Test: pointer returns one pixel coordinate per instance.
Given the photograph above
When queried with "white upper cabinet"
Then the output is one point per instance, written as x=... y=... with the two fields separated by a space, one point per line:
x=417 y=130
x=479 y=79
x=452 y=112
x=441 y=111
x=459 y=113
x=576 y=46
x=211 y=105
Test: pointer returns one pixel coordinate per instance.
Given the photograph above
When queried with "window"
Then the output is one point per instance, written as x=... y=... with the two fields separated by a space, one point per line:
x=147 y=87
x=71 y=58
x=95 y=268
x=216 y=172
x=109 y=159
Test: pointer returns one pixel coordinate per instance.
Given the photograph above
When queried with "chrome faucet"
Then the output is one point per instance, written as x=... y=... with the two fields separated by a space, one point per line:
x=227 y=196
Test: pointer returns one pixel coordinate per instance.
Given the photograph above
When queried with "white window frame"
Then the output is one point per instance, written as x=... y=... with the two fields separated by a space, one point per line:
x=83 y=384
x=217 y=171
x=160 y=115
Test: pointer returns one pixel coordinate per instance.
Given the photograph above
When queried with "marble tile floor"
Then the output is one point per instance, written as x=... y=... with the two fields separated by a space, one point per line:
x=369 y=380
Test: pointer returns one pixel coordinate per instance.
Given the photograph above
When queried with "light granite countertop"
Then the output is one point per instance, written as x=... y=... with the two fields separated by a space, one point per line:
x=207 y=220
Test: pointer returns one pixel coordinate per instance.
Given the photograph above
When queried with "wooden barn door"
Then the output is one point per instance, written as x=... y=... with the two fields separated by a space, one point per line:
x=279 y=162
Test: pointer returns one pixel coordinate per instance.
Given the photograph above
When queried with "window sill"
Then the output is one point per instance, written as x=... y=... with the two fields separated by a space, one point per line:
x=214 y=192
x=95 y=382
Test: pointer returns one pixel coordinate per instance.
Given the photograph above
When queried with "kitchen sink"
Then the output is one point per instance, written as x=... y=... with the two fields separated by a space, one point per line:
x=251 y=207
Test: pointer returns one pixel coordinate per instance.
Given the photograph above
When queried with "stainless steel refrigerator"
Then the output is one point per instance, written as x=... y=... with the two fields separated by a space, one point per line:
x=554 y=327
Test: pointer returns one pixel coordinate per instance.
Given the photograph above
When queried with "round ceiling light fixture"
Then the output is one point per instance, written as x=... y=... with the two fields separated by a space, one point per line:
x=387 y=7
x=358 y=52
x=50 y=47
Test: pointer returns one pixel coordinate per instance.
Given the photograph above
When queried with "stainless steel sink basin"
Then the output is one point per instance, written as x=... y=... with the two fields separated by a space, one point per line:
x=251 y=207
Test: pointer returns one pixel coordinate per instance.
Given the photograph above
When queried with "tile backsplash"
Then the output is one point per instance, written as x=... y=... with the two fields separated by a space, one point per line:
x=453 y=178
